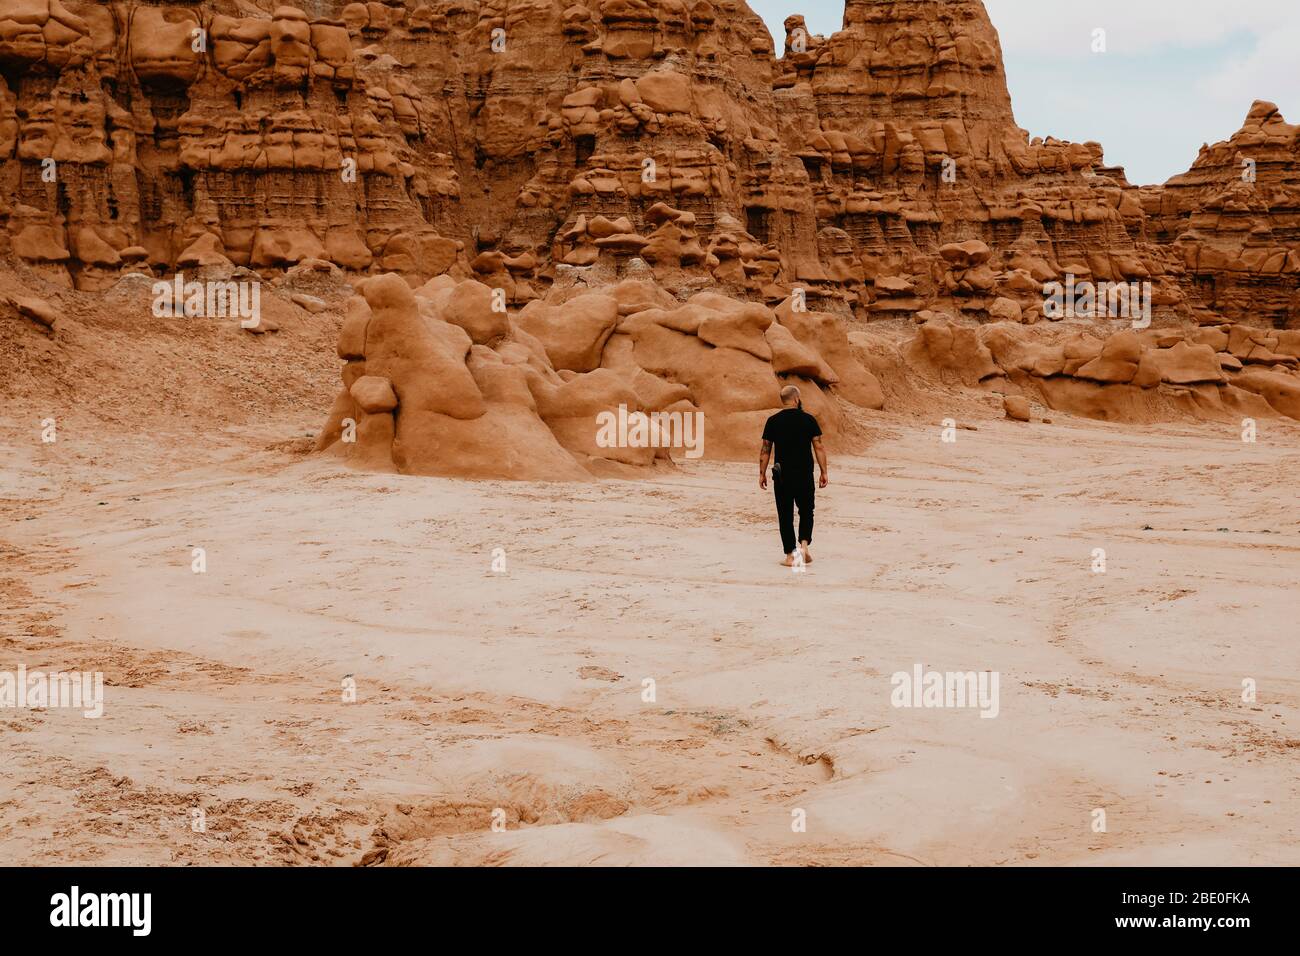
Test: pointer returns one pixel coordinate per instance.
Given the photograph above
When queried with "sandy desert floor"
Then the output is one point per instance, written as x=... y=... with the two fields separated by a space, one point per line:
x=522 y=691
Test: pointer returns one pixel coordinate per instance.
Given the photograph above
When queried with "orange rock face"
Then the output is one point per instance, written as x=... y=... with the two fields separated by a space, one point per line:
x=503 y=140
x=1234 y=221
x=1217 y=374
x=556 y=211
x=441 y=380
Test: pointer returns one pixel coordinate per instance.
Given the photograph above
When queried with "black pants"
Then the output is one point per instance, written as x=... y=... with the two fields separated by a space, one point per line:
x=790 y=491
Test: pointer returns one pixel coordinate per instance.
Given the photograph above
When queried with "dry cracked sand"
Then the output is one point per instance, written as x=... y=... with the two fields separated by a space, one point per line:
x=519 y=696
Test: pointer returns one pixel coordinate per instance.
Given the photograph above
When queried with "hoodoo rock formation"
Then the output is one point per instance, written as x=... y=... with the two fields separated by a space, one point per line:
x=670 y=215
x=505 y=139
x=438 y=382
x=1221 y=373
x=1234 y=222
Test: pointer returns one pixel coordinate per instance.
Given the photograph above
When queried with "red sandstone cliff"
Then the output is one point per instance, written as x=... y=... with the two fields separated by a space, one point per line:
x=880 y=169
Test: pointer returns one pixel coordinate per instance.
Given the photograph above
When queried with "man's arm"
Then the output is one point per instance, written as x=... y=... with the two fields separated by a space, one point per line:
x=764 y=457
x=821 y=461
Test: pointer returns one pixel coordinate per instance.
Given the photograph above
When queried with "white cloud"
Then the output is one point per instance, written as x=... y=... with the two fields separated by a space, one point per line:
x=1064 y=27
x=1270 y=71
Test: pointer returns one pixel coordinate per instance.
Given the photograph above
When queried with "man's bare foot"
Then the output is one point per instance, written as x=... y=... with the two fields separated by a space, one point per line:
x=788 y=562
x=807 y=553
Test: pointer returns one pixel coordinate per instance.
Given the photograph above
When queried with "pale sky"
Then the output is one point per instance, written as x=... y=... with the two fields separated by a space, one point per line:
x=1175 y=73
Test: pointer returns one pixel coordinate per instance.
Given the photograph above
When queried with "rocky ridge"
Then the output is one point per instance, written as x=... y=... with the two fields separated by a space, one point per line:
x=506 y=140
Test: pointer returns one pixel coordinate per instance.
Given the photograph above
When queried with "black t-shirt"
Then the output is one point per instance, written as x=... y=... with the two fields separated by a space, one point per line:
x=792 y=430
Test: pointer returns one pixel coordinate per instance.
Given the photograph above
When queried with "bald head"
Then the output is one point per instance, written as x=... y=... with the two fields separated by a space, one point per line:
x=790 y=396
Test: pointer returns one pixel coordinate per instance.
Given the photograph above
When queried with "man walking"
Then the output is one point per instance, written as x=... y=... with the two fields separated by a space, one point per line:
x=796 y=436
